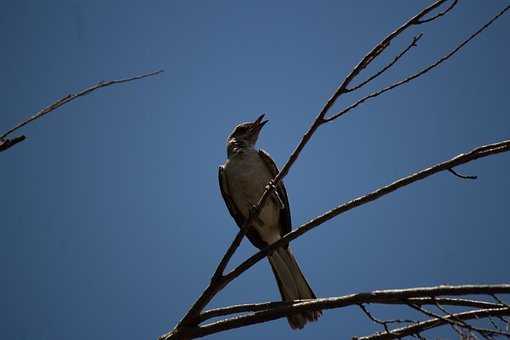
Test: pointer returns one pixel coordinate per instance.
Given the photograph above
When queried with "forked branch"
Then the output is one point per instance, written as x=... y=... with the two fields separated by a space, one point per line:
x=189 y=327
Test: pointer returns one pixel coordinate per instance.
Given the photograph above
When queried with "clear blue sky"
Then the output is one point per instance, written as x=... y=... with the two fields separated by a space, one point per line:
x=111 y=217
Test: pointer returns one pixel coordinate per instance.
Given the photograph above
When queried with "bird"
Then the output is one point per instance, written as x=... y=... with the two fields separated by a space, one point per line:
x=243 y=179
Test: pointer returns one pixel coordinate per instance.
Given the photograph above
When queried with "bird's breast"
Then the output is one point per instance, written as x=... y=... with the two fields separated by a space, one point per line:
x=247 y=176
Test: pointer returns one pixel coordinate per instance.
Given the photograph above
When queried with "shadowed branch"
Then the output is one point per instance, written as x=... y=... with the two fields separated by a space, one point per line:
x=189 y=326
x=6 y=143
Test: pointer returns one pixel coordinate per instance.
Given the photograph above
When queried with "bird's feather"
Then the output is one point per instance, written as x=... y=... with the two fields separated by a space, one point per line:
x=252 y=234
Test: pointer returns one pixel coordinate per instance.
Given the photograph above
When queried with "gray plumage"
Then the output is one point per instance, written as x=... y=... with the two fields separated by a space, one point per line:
x=243 y=179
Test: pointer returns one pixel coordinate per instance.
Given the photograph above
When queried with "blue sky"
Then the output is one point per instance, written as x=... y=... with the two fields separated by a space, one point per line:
x=112 y=220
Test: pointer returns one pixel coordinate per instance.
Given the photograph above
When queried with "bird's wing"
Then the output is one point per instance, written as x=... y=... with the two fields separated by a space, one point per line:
x=252 y=235
x=285 y=220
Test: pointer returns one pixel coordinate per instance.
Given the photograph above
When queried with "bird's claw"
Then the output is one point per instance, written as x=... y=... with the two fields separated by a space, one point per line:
x=271 y=185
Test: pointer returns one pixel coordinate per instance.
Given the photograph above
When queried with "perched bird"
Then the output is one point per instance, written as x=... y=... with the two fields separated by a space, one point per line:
x=243 y=179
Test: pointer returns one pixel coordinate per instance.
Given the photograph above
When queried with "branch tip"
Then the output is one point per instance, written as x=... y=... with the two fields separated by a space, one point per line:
x=460 y=175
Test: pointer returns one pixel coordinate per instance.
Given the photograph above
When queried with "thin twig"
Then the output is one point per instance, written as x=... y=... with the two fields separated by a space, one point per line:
x=440 y=14
x=6 y=143
x=435 y=322
x=385 y=68
x=419 y=73
x=228 y=255
x=453 y=320
x=384 y=323
x=462 y=176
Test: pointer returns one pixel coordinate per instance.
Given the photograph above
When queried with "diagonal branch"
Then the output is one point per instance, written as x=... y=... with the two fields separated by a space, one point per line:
x=216 y=285
x=6 y=143
x=421 y=72
x=219 y=281
x=192 y=316
x=479 y=152
x=385 y=68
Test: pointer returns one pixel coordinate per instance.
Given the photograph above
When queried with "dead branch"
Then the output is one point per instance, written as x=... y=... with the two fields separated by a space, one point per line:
x=482 y=151
x=435 y=322
x=391 y=297
x=421 y=72
x=385 y=68
x=188 y=326
x=6 y=143
x=419 y=301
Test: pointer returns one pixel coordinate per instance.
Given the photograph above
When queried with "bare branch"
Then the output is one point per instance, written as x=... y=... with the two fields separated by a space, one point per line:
x=440 y=14
x=384 y=323
x=479 y=152
x=257 y=307
x=462 y=176
x=365 y=61
x=228 y=255
x=421 y=72
x=392 y=296
x=6 y=143
x=454 y=302
x=219 y=281
x=244 y=308
x=453 y=320
x=385 y=68
x=435 y=322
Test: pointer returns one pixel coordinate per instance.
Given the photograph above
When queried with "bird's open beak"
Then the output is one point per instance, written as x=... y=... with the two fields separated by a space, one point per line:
x=259 y=122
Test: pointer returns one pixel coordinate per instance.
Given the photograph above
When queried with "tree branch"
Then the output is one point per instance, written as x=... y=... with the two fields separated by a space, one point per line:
x=392 y=296
x=479 y=152
x=257 y=307
x=219 y=281
x=461 y=176
x=385 y=68
x=192 y=316
x=440 y=14
x=215 y=285
x=435 y=322
x=6 y=143
x=421 y=72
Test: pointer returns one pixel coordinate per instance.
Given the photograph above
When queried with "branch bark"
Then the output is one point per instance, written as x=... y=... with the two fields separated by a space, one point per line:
x=6 y=143
x=393 y=296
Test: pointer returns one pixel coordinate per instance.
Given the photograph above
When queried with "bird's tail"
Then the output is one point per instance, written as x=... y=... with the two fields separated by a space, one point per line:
x=292 y=285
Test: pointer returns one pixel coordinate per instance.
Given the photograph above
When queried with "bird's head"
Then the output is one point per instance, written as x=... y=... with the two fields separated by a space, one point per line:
x=246 y=134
